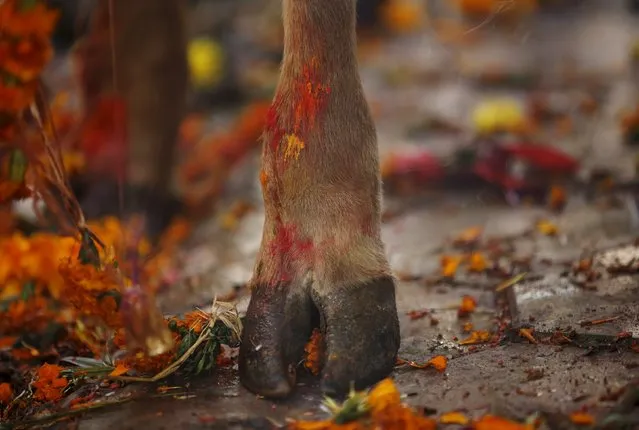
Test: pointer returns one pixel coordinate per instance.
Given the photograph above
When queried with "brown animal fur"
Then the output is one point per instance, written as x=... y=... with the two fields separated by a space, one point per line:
x=330 y=193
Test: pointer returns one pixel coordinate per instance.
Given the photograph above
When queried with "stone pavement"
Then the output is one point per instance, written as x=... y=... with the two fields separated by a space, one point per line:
x=514 y=378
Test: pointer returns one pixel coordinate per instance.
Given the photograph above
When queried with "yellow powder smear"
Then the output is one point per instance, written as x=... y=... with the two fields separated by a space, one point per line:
x=294 y=146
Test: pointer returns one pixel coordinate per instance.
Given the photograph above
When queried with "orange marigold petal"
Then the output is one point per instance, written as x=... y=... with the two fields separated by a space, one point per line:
x=312 y=425
x=36 y=20
x=582 y=418
x=491 y=422
x=16 y=99
x=49 y=394
x=59 y=383
x=454 y=418
x=469 y=235
x=477 y=262
x=478 y=336
x=449 y=265
x=439 y=362
x=119 y=370
x=547 y=228
x=383 y=394
x=467 y=306
x=48 y=372
x=6 y=393
x=7 y=341
x=312 y=350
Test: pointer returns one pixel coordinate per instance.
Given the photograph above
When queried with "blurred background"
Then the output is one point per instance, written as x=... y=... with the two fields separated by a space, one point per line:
x=509 y=139
x=481 y=105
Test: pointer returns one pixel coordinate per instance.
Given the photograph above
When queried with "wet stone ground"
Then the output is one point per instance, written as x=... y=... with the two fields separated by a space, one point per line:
x=513 y=378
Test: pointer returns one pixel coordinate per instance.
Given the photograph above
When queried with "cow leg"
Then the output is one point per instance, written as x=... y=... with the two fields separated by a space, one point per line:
x=137 y=51
x=321 y=261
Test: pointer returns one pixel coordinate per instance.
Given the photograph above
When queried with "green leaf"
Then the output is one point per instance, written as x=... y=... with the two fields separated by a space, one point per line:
x=200 y=365
x=88 y=253
x=25 y=5
x=17 y=166
x=86 y=362
x=353 y=408
x=187 y=341
x=10 y=80
x=5 y=304
x=28 y=291
x=209 y=365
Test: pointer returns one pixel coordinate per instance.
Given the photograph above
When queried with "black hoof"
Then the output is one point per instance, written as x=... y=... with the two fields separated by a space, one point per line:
x=360 y=332
x=362 y=337
x=277 y=326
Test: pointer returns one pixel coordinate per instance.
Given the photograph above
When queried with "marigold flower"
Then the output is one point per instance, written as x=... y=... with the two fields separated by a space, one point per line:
x=383 y=394
x=194 y=320
x=17 y=98
x=49 y=372
x=26 y=315
x=149 y=365
x=6 y=393
x=26 y=58
x=89 y=291
x=35 y=258
x=49 y=385
x=477 y=262
x=388 y=411
x=312 y=350
x=467 y=306
x=17 y=20
x=449 y=265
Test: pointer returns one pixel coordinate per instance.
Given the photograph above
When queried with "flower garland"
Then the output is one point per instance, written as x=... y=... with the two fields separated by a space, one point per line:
x=25 y=49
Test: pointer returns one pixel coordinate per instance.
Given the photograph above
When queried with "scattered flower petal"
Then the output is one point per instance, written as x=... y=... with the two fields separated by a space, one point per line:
x=476 y=337
x=582 y=418
x=468 y=306
x=454 y=418
x=6 y=393
x=491 y=422
x=547 y=228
